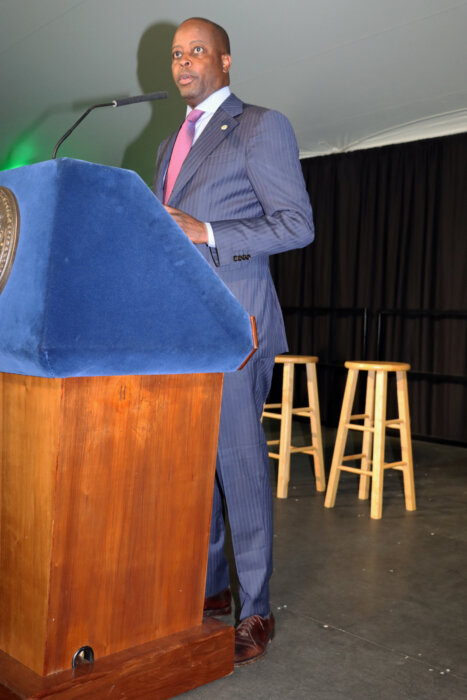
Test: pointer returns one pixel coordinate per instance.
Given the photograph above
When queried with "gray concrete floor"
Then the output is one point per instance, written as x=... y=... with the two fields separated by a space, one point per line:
x=366 y=609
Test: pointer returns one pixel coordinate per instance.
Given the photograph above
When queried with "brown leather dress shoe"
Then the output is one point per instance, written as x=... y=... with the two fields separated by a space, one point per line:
x=252 y=636
x=219 y=604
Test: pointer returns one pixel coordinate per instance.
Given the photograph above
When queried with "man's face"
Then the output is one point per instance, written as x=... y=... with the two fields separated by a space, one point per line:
x=199 y=67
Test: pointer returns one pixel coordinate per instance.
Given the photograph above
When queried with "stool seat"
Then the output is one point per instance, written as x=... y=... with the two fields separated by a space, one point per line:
x=383 y=366
x=296 y=359
x=285 y=412
x=373 y=424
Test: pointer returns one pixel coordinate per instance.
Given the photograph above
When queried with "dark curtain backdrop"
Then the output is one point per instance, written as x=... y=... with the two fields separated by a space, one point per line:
x=386 y=276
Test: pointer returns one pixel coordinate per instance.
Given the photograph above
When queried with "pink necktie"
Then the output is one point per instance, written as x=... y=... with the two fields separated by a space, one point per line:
x=180 y=151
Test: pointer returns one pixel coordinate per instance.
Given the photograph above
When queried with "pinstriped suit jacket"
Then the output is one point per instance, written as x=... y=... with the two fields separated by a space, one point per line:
x=243 y=175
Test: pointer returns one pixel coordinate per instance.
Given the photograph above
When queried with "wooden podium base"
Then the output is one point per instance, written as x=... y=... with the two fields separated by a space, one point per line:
x=105 y=502
x=155 y=670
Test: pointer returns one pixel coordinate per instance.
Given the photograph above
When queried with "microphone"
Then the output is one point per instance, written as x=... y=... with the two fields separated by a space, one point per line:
x=140 y=98
x=148 y=97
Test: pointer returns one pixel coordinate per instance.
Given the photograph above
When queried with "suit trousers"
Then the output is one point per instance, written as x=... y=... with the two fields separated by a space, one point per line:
x=242 y=490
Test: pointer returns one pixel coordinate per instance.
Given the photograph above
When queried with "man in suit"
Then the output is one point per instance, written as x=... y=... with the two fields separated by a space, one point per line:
x=239 y=197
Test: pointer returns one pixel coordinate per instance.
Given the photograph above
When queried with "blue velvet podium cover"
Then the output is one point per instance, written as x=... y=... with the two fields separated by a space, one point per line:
x=105 y=283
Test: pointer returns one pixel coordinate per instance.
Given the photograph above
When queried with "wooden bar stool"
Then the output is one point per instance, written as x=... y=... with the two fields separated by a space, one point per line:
x=285 y=415
x=374 y=431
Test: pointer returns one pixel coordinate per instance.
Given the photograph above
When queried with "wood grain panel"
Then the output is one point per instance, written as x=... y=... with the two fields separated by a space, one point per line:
x=29 y=425
x=132 y=511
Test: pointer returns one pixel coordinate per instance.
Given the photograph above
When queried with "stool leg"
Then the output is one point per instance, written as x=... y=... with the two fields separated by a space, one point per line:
x=283 y=473
x=406 y=442
x=315 y=425
x=376 y=510
x=367 y=443
x=341 y=438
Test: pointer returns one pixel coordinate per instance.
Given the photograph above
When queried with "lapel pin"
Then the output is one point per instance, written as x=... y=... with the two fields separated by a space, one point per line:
x=224 y=127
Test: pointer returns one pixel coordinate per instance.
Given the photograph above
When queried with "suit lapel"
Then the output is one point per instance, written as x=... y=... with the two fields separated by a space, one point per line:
x=220 y=126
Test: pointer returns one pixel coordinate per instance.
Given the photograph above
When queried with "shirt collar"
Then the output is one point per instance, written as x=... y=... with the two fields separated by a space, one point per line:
x=213 y=102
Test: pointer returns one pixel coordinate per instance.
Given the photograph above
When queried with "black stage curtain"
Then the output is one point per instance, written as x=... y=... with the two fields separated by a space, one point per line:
x=386 y=276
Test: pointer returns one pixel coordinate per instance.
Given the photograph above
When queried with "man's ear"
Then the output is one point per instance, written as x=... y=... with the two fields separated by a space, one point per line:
x=226 y=62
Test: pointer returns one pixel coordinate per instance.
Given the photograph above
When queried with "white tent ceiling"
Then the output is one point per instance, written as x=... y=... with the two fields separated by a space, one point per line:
x=348 y=73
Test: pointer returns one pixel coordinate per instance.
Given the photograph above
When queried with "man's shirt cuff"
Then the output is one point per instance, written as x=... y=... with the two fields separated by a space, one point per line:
x=211 y=239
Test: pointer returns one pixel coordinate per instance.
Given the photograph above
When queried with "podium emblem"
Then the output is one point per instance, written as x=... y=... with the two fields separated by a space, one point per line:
x=9 y=233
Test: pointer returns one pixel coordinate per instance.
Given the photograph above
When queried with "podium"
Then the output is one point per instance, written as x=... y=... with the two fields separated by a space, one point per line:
x=115 y=336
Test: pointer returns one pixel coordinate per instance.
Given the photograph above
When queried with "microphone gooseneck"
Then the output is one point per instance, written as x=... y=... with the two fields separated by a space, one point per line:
x=149 y=97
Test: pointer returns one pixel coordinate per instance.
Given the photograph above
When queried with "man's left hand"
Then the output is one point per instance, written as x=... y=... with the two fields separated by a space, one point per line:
x=194 y=229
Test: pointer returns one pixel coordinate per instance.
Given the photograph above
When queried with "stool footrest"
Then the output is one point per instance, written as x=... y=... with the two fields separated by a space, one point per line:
x=355 y=470
x=307 y=449
x=362 y=428
x=395 y=465
x=399 y=466
x=349 y=458
x=267 y=414
x=394 y=423
x=306 y=411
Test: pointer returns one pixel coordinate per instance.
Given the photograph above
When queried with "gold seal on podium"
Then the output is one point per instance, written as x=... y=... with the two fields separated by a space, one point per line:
x=9 y=233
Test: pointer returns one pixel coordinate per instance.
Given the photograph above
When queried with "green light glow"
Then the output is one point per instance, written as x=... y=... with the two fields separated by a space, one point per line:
x=23 y=152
